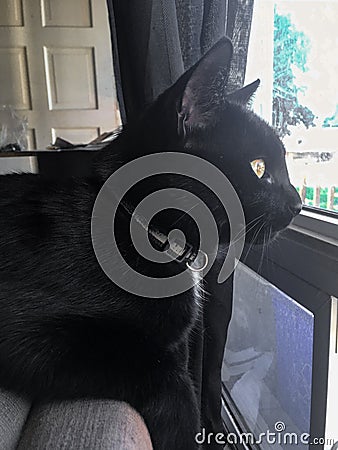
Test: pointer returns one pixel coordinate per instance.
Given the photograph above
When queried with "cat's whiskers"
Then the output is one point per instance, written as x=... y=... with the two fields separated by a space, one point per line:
x=249 y=226
x=269 y=243
x=181 y=217
x=263 y=254
x=253 y=240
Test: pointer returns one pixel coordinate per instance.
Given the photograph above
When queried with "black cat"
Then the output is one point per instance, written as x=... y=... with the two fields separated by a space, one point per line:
x=66 y=330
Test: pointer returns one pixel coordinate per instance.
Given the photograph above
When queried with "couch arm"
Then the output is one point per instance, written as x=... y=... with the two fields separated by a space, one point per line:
x=13 y=414
x=85 y=424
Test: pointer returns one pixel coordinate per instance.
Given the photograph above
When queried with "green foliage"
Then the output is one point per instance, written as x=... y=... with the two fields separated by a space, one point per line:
x=331 y=121
x=291 y=48
x=324 y=197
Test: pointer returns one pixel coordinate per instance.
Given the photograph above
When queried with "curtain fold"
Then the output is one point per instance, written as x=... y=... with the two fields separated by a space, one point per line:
x=154 y=42
x=238 y=27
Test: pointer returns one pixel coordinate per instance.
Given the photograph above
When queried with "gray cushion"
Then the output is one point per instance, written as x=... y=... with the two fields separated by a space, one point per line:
x=84 y=424
x=13 y=413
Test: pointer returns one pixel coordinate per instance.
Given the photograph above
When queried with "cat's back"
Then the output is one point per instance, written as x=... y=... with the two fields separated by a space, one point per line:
x=40 y=218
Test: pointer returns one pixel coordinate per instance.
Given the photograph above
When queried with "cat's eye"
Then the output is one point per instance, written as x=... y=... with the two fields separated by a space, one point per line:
x=258 y=166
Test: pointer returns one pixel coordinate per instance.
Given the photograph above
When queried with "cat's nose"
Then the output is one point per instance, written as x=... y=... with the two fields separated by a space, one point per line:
x=295 y=208
x=295 y=202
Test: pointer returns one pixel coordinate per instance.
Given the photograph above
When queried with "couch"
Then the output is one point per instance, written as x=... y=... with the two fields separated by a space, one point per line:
x=70 y=425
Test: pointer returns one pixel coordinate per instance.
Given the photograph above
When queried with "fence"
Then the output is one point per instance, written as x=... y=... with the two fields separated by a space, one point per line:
x=320 y=197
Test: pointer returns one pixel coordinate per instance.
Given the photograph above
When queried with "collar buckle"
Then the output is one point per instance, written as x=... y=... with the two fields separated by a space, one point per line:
x=199 y=263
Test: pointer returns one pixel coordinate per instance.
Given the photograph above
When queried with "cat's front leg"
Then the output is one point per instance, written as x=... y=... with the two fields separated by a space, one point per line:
x=172 y=416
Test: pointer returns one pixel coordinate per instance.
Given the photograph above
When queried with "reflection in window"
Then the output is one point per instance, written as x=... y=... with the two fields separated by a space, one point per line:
x=267 y=368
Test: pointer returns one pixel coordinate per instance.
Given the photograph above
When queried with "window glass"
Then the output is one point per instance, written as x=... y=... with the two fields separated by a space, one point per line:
x=294 y=51
x=267 y=366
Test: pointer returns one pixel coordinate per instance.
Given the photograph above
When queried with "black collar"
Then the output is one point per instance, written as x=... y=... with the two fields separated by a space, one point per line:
x=183 y=253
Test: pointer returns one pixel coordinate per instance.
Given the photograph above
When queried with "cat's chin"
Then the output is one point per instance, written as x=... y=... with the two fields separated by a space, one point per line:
x=263 y=234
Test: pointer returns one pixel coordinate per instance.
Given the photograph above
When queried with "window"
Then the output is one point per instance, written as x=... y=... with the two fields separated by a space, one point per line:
x=295 y=54
x=281 y=360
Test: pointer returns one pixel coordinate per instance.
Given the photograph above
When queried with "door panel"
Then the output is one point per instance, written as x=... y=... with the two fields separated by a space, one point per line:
x=70 y=77
x=11 y=13
x=15 y=88
x=75 y=13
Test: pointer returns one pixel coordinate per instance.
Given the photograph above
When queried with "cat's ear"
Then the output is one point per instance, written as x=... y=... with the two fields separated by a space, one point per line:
x=205 y=89
x=245 y=94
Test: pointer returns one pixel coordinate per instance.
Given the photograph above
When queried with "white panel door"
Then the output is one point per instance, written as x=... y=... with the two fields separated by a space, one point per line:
x=56 y=68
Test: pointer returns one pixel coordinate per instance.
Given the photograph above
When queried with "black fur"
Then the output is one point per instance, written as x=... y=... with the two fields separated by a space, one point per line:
x=66 y=331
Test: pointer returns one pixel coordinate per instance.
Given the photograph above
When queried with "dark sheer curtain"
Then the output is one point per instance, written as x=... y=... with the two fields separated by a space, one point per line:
x=154 y=42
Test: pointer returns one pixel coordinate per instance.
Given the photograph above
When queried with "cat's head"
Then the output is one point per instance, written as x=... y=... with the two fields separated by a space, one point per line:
x=198 y=117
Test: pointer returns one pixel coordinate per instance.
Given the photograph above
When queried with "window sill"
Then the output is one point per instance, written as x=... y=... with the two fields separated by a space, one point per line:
x=308 y=249
x=318 y=225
